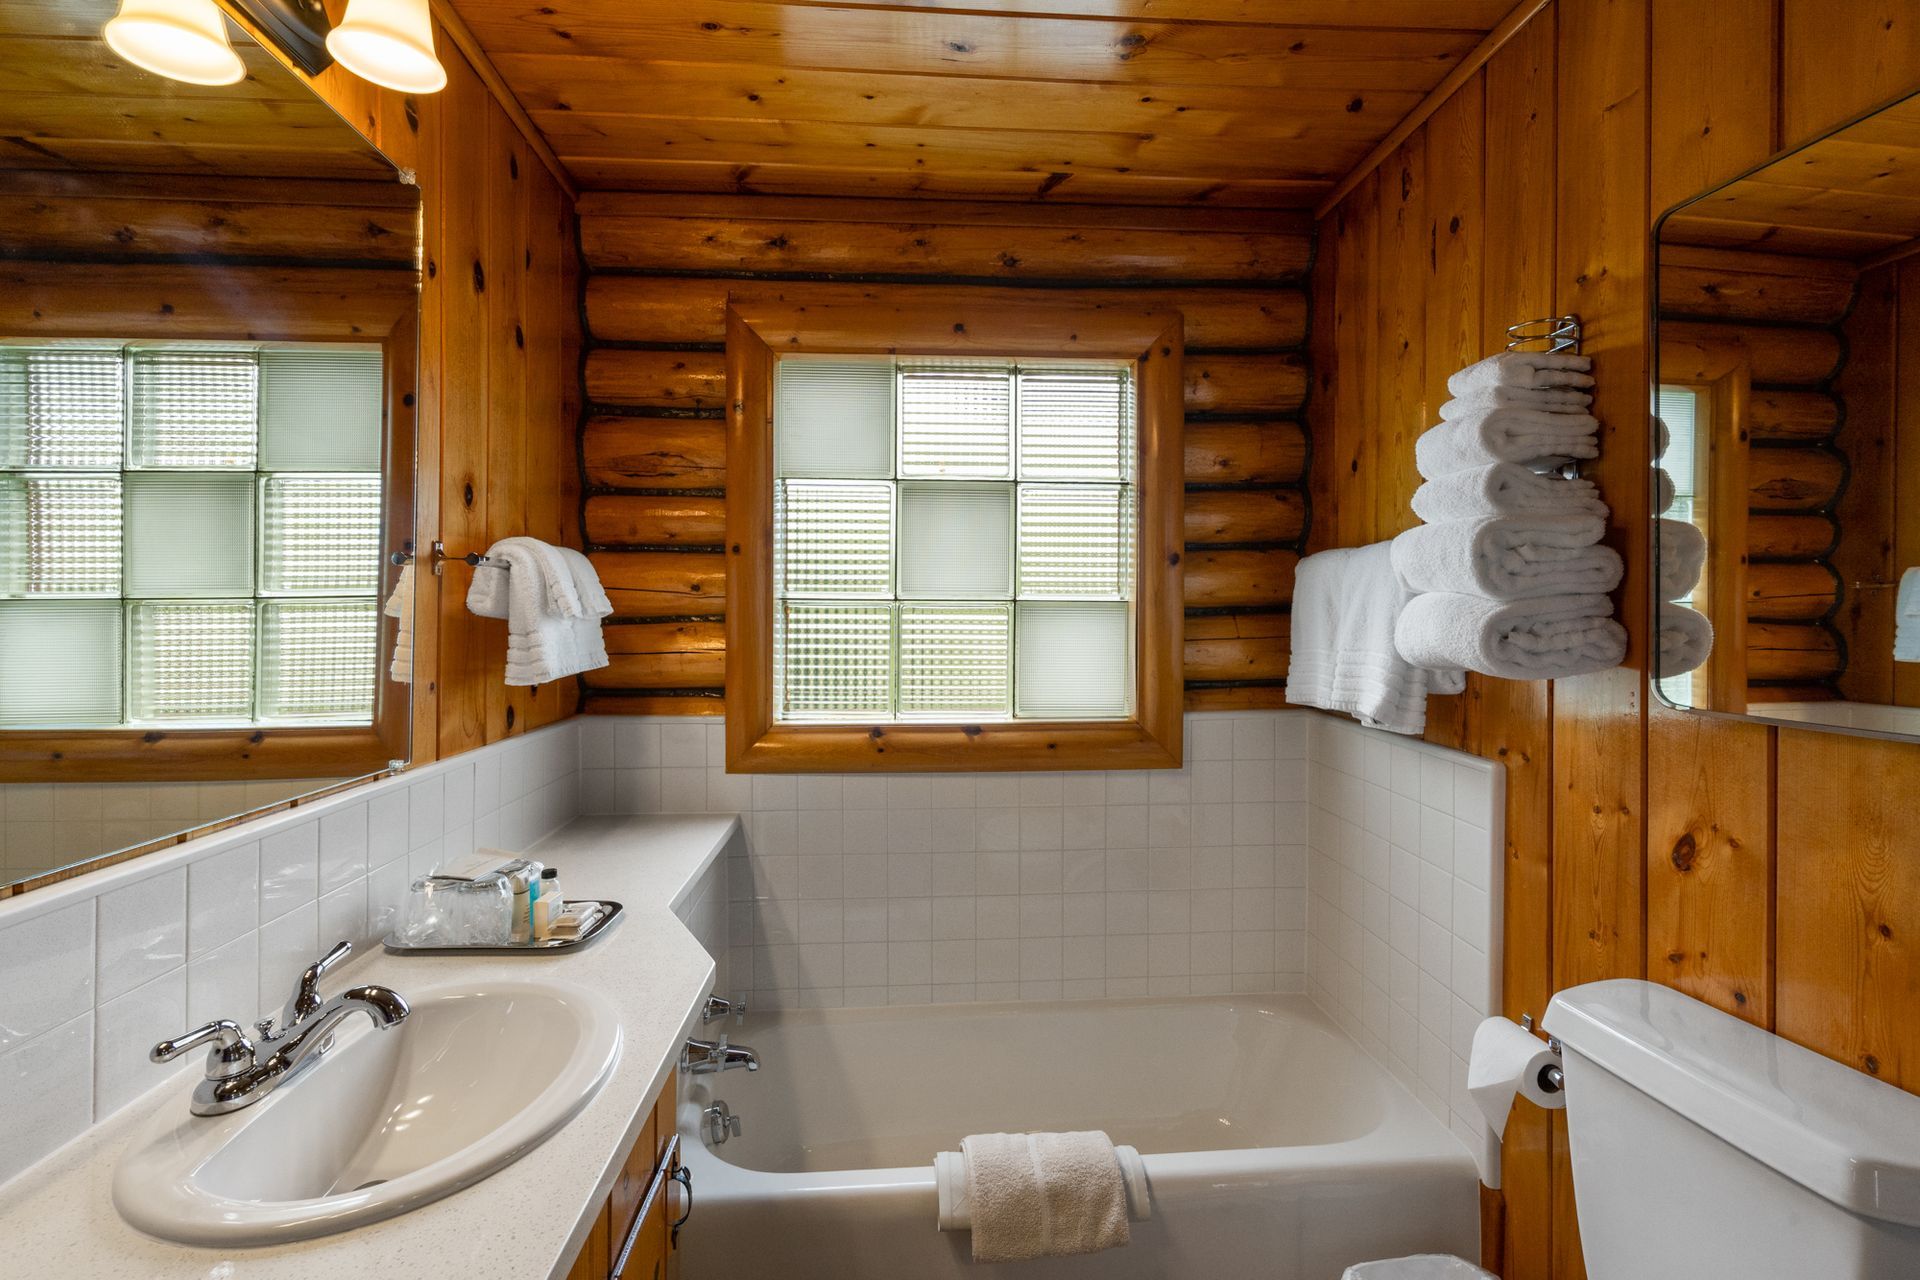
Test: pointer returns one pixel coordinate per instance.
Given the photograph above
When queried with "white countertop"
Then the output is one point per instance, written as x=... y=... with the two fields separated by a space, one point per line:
x=525 y=1221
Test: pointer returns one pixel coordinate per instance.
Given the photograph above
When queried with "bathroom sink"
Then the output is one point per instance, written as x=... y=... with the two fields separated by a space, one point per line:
x=473 y=1079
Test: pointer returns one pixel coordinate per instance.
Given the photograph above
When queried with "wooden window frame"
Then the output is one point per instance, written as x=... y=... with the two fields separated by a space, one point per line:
x=182 y=303
x=940 y=322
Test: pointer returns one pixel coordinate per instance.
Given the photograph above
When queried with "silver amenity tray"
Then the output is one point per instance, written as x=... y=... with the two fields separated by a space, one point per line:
x=610 y=912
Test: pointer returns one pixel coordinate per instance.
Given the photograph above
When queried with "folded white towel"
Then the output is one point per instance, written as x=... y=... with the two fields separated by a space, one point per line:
x=1523 y=369
x=1545 y=399
x=1686 y=638
x=1906 y=618
x=1345 y=603
x=1504 y=489
x=400 y=605
x=519 y=584
x=956 y=1208
x=1682 y=556
x=1505 y=435
x=1547 y=639
x=1044 y=1195
x=1662 y=491
x=1662 y=438
x=1509 y=557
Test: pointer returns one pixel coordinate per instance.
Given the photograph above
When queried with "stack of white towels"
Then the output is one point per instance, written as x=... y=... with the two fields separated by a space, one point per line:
x=1507 y=575
x=1685 y=635
x=552 y=601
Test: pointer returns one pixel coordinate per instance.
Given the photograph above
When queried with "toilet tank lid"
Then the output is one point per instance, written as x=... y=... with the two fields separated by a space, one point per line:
x=1837 y=1132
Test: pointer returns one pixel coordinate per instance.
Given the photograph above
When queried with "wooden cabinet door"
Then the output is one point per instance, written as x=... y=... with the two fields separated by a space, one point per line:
x=596 y=1255
x=644 y=1252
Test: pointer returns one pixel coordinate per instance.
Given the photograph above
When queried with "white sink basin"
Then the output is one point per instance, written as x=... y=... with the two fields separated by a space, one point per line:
x=472 y=1080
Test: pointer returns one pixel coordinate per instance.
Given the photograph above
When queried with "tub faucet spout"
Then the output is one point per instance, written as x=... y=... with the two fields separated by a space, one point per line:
x=703 y=1057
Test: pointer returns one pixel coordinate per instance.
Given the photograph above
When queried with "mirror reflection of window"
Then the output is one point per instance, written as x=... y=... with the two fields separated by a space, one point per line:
x=1684 y=411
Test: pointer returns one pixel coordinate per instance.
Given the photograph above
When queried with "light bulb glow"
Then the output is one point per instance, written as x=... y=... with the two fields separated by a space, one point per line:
x=389 y=42
x=180 y=39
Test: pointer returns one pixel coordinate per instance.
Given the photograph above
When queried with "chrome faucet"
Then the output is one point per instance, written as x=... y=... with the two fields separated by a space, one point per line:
x=243 y=1069
x=703 y=1057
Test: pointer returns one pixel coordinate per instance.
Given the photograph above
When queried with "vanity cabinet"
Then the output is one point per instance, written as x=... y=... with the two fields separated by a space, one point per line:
x=632 y=1239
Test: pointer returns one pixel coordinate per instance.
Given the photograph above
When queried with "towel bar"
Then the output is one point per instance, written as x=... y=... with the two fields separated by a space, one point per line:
x=1558 y=333
x=441 y=556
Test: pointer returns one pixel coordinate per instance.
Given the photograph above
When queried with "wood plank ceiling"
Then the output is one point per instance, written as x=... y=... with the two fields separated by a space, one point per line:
x=1853 y=195
x=68 y=102
x=1221 y=102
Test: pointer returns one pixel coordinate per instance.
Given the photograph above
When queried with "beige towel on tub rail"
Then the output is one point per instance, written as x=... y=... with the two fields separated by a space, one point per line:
x=1044 y=1195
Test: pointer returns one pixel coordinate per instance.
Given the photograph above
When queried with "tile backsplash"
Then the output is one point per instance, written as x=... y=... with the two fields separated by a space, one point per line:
x=1406 y=872
x=99 y=968
x=865 y=889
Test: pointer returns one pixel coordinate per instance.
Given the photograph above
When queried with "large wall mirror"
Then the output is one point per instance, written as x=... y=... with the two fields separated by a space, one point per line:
x=1788 y=469
x=208 y=313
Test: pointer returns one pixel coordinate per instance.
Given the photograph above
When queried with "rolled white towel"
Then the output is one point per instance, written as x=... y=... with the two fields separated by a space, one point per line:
x=1523 y=369
x=1686 y=639
x=1546 y=639
x=1505 y=435
x=1546 y=399
x=1682 y=555
x=956 y=1209
x=1662 y=438
x=1043 y=1195
x=1509 y=558
x=1906 y=618
x=1662 y=491
x=1504 y=489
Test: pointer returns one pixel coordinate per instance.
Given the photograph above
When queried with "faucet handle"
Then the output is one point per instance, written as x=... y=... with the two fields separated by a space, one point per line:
x=306 y=993
x=231 y=1048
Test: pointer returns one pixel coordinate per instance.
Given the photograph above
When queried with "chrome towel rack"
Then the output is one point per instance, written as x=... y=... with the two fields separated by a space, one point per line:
x=440 y=556
x=1552 y=334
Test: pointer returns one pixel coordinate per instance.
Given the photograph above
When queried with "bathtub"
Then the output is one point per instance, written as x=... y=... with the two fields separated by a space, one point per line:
x=1275 y=1147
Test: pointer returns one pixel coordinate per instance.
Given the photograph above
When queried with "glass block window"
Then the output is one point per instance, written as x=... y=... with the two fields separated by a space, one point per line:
x=189 y=534
x=953 y=539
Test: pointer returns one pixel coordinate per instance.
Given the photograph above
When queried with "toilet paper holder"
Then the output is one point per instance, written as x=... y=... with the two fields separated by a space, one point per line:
x=1552 y=1079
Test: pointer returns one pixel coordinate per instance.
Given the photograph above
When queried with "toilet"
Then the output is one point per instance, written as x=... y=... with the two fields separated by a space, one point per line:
x=1705 y=1148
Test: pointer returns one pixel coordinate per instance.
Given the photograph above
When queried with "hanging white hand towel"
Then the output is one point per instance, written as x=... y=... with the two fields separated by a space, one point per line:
x=1546 y=639
x=400 y=606
x=1683 y=555
x=1523 y=369
x=1044 y=1195
x=518 y=584
x=1545 y=399
x=1509 y=557
x=1906 y=618
x=1686 y=639
x=1504 y=489
x=1505 y=435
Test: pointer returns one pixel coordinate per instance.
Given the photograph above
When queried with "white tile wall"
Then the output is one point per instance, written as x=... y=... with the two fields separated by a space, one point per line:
x=1404 y=916
x=98 y=968
x=861 y=889
x=44 y=825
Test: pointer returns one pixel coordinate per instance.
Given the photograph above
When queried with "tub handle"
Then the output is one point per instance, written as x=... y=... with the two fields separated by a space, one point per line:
x=683 y=1176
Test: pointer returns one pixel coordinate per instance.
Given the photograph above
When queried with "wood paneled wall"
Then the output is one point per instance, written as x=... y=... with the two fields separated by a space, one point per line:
x=1765 y=871
x=659 y=270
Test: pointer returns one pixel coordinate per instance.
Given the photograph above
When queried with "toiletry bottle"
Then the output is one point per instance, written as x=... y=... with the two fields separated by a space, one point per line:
x=550 y=889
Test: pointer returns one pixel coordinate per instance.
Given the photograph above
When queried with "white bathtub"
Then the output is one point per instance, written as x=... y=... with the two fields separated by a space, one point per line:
x=1275 y=1147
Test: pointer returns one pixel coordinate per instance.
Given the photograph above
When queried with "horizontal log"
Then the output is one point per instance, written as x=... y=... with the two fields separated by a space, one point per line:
x=655 y=453
x=655 y=520
x=41 y=226
x=1239 y=579
x=1803 y=416
x=698 y=380
x=1246 y=384
x=663 y=584
x=1245 y=515
x=85 y=300
x=658 y=379
x=1766 y=693
x=1259 y=658
x=1730 y=293
x=663 y=655
x=1786 y=356
x=689 y=310
x=766 y=245
x=1793 y=479
x=1790 y=537
x=1782 y=651
x=602 y=703
x=1245 y=452
x=1254 y=697
x=1791 y=591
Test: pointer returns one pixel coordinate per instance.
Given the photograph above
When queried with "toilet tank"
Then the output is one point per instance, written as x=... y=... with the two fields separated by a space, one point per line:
x=1705 y=1148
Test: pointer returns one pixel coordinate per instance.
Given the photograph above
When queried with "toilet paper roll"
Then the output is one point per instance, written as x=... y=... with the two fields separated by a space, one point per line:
x=1508 y=1060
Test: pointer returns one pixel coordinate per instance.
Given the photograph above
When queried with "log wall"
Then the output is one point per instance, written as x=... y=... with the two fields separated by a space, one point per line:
x=1770 y=872
x=652 y=444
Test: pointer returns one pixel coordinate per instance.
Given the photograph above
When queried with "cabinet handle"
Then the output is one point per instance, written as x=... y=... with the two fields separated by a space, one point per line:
x=683 y=1176
x=660 y=1179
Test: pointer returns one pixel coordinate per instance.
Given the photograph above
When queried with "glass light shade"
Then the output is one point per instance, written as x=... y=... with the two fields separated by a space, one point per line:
x=389 y=42
x=180 y=39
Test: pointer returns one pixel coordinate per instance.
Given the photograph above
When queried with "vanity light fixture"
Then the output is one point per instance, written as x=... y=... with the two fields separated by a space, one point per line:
x=389 y=42
x=180 y=39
